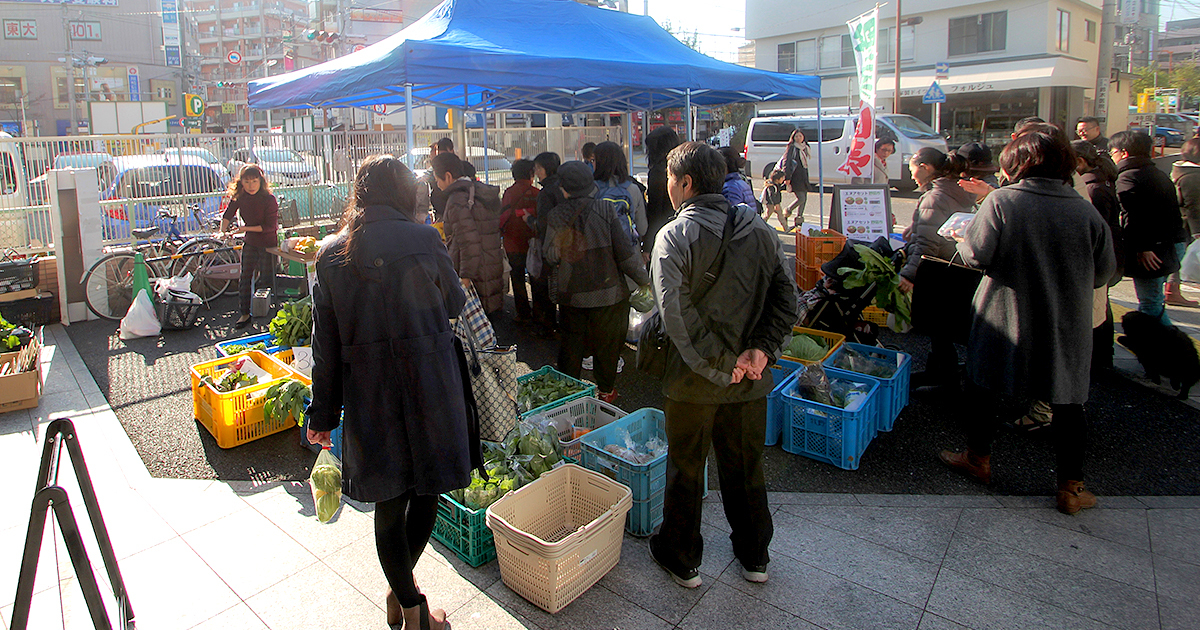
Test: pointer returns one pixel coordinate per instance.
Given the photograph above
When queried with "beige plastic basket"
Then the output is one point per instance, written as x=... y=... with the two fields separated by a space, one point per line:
x=559 y=535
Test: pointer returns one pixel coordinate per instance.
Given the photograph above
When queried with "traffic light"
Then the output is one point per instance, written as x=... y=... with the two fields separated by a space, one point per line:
x=322 y=36
x=225 y=84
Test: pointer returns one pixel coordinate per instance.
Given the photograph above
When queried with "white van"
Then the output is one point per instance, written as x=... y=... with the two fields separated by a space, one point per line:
x=768 y=135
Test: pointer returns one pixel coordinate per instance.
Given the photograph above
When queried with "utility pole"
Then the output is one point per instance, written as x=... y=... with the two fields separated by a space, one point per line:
x=896 y=97
x=70 y=59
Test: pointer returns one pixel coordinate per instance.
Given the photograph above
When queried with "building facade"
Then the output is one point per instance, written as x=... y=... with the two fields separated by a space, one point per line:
x=106 y=50
x=1007 y=60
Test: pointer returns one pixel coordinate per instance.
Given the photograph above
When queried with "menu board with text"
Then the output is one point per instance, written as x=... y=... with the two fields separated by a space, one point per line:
x=862 y=212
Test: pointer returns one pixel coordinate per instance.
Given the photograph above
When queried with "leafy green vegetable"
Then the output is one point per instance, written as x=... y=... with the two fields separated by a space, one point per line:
x=286 y=398
x=807 y=347
x=326 y=483
x=543 y=389
x=879 y=270
x=239 y=348
x=292 y=325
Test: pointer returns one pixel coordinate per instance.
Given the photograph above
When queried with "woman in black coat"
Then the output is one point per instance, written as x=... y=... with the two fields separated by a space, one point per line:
x=384 y=355
x=659 y=210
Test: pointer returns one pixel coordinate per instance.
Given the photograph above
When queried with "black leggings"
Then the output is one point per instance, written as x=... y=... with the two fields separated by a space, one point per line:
x=402 y=529
x=1068 y=431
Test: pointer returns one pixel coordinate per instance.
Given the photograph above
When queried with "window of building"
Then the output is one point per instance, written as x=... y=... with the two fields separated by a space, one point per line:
x=887 y=42
x=978 y=33
x=837 y=52
x=1064 y=31
x=786 y=57
x=1089 y=29
x=10 y=90
x=806 y=55
x=62 y=98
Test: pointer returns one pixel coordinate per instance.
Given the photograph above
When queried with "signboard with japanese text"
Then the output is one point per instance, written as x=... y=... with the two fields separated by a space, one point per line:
x=84 y=30
x=92 y=3
x=135 y=86
x=864 y=31
x=170 y=32
x=20 y=29
x=863 y=212
x=1130 y=11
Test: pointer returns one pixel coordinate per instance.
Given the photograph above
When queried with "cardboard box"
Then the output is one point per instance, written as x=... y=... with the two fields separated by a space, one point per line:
x=23 y=389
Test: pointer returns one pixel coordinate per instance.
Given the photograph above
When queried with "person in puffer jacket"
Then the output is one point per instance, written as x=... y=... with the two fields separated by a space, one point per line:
x=736 y=189
x=472 y=226
x=1186 y=175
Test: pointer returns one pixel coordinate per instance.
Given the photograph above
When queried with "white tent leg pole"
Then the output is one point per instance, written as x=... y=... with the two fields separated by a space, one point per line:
x=820 y=168
x=687 y=112
x=629 y=140
x=486 y=175
x=409 y=158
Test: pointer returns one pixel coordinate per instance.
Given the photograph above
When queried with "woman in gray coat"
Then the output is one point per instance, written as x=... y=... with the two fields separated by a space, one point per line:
x=384 y=355
x=1043 y=250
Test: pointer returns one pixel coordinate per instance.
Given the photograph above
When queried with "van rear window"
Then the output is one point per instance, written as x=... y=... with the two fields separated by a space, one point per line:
x=780 y=131
x=766 y=131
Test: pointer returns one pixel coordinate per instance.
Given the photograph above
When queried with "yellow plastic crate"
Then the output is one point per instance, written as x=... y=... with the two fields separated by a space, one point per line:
x=875 y=315
x=835 y=341
x=235 y=418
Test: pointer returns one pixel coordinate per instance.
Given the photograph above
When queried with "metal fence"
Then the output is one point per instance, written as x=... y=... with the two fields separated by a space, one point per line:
x=177 y=182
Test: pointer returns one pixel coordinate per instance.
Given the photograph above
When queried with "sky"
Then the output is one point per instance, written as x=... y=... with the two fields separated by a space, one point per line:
x=711 y=20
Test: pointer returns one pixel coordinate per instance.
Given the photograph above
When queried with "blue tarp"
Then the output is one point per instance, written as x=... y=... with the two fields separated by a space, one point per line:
x=529 y=55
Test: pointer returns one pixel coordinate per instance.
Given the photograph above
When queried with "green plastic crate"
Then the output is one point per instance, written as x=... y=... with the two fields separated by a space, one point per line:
x=464 y=531
x=588 y=389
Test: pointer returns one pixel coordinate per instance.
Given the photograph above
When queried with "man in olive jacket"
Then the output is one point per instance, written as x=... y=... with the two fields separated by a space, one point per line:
x=716 y=379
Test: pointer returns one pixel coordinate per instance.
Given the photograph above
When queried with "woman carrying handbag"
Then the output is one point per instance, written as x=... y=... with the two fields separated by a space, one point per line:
x=794 y=165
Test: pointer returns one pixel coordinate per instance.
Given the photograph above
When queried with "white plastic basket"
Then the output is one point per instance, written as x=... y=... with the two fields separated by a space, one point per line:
x=582 y=413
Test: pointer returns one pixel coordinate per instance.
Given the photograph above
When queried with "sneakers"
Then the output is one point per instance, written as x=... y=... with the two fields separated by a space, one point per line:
x=588 y=363
x=689 y=578
x=756 y=574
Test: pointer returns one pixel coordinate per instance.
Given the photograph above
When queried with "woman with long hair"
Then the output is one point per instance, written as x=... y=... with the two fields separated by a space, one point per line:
x=611 y=172
x=659 y=210
x=1043 y=250
x=251 y=199
x=937 y=174
x=386 y=359
x=795 y=166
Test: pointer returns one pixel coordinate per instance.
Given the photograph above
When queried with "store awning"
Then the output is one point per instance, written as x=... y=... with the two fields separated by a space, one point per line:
x=995 y=77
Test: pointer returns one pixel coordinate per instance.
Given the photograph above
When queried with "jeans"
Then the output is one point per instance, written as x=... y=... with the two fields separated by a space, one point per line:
x=1151 y=299
x=1180 y=252
x=402 y=529
x=1068 y=431
x=520 y=295
x=736 y=432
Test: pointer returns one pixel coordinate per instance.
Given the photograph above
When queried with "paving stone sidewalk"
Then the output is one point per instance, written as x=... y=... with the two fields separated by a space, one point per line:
x=247 y=555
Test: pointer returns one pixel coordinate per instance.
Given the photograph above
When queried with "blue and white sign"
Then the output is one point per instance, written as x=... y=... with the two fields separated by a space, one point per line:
x=941 y=70
x=235 y=57
x=170 y=12
x=173 y=56
x=934 y=95
x=379 y=109
x=135 y=87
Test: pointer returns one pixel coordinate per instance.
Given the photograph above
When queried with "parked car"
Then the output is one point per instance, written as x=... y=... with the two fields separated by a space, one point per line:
x=1178 y=122
x=282 y=166
x=499 y=168
x=213 y=161
x=39 y=194
x=151 y=185
x=1168 y=137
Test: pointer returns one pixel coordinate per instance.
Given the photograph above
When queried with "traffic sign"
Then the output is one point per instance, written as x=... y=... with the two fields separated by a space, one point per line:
x=358 y=47
x=379 y=109
x=941 y=70
x=934 y=95
x=191 y=123
x=234 y=57
x=193 y=105
x=228 y=108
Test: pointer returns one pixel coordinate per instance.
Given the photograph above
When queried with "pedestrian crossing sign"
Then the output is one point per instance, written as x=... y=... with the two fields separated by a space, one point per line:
x=934 y=95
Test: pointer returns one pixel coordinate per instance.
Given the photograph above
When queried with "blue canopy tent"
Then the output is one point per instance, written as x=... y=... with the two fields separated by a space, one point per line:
x=528 y=56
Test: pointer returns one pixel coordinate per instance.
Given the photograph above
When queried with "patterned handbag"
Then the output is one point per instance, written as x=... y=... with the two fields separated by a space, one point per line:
x=494 y=373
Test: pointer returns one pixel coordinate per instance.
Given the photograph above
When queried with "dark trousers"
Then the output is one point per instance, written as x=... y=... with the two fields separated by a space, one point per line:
x=599 y=332
x=520 y=295
x=258 y=270
x=1068 y=432
x=545 y=312
x=1102 y=345
x=736 y=432
x=402 y=529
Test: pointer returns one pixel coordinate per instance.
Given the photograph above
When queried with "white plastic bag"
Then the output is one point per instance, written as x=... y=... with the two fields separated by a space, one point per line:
x=955 y=228
x=179 y=283
x=1189 y=268
x=140 y=320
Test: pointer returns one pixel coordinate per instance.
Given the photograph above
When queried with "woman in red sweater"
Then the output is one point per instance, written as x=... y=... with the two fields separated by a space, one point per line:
x=251 y=198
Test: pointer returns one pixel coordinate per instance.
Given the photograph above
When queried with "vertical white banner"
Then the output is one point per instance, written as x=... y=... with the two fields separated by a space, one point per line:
x=864 y=35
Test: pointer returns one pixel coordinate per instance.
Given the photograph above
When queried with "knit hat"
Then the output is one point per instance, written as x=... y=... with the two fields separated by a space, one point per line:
x=575 y=177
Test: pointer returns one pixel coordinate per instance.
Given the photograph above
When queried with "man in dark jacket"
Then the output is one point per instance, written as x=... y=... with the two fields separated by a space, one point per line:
x=716 y=379
x=545 y=169
x=1152 y=226
x=589 y=254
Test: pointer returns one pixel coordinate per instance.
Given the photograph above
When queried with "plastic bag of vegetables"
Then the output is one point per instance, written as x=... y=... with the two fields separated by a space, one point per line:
x=855 y=361
x=326 y=484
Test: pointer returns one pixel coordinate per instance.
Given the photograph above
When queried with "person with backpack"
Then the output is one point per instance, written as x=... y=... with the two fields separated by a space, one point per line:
x=588 y=256
x=736 y=189
x=518 y=210
x=614 y=184
x=472 y=226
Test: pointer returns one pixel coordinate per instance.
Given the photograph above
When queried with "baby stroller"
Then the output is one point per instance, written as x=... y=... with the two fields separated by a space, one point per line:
x=832 y=307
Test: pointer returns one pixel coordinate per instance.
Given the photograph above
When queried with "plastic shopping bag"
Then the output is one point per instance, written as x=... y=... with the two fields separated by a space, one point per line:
x=1189 y=268
x=955 y=228
x=326 y=484
x=140 y=320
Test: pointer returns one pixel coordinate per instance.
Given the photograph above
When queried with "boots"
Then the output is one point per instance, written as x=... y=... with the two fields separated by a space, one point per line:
x=419 y=617
x=1175 y=296
x=395 y=614
x=970 y=464
x=1072 y=497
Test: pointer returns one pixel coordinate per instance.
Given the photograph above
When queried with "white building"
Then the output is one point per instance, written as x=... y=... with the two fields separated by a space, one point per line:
x=1008 y=60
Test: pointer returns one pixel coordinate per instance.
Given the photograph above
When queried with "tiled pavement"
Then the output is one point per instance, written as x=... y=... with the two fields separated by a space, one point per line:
x=236 y=555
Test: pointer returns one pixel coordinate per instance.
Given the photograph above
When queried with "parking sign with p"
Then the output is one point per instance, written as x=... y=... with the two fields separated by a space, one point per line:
x=193 y=105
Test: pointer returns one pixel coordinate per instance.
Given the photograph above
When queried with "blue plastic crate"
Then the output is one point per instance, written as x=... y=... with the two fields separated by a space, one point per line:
x=647 y=481
x=826 y=433
x=588 y=389
x=272 y=346
x=893 y=392
x=780 y=371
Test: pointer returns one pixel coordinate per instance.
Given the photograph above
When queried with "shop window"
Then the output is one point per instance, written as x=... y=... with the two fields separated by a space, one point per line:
x=978 y=33
x=787 y=57
x=887 y=42
x=10 y=90
x=1089 y=28
x=1064 y=31
x=837 y=52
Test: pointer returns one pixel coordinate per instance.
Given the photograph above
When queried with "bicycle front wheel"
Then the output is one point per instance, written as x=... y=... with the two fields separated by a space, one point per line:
x=212 y=271
x=108 y=285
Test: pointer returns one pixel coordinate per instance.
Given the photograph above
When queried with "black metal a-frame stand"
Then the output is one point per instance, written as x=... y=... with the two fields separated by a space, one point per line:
x=49 y=495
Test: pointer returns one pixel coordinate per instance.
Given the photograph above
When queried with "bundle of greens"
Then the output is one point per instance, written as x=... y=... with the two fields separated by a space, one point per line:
x=292 y=325
x=642 y=300
x=286 y=398
x=543 y=389
x=12 y=336
x=879 y=270
x=807 y=347
x=239 y=348
x=326 y=483
x=854 y=361
x=231 y=379
x=528 y=451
